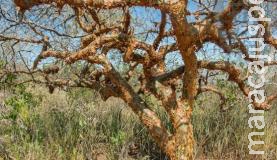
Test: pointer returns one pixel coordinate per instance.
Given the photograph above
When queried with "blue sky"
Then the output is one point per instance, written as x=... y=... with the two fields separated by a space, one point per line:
x=143 y=16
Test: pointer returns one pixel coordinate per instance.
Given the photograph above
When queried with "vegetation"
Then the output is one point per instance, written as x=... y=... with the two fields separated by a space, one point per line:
x=135 y=79
x=78 y=125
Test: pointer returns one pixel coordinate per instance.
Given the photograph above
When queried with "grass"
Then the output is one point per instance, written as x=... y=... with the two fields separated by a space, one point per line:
x=78 y=125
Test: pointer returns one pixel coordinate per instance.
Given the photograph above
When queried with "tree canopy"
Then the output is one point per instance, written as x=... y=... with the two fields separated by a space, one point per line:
x=173 y=50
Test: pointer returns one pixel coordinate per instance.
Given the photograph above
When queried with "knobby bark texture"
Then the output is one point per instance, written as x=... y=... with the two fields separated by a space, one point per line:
x=100 y=37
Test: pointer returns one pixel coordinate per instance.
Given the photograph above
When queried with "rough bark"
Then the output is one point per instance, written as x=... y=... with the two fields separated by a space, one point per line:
x=183 y=137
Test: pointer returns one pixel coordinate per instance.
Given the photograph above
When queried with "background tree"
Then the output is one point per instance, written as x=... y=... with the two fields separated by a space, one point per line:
x=87 y=43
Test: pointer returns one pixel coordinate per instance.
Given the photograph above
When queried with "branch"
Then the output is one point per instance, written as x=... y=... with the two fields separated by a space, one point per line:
x=146 y=115
x=85 y=27
x=216 y=91
x=161 y=31
x=232 y=70
x=103 y=4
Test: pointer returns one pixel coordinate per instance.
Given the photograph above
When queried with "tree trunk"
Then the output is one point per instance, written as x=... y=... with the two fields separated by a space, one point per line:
x=181 y=144
x=185 y=33
x=184 y=145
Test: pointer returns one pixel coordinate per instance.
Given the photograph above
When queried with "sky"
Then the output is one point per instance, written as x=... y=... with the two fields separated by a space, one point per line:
x=142 y=17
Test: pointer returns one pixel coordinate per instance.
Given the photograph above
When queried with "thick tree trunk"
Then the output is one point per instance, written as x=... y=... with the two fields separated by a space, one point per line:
x=181 y=146
x=182 y=142
x=185 y=33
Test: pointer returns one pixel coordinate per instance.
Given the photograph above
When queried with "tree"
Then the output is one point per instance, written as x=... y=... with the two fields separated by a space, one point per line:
x=82 y=49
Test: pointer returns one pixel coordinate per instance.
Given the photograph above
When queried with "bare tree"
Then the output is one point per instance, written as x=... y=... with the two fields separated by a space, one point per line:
x=185 y=26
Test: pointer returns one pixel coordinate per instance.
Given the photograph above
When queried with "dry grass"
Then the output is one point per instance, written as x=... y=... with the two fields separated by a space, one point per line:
x=78 y=125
